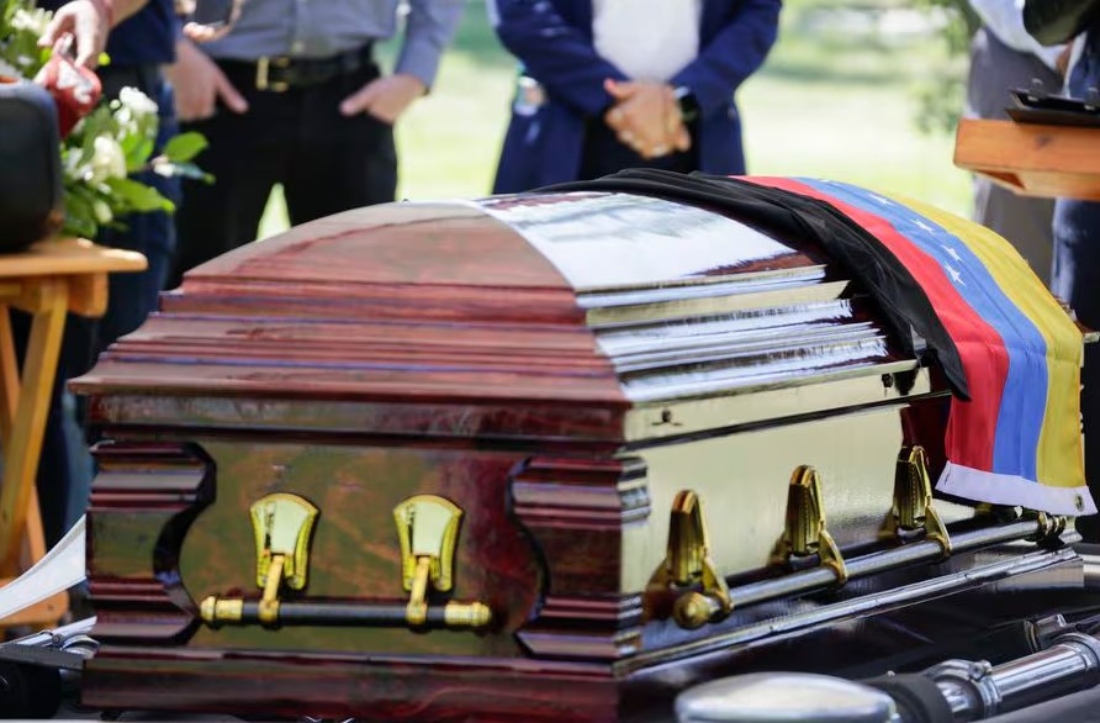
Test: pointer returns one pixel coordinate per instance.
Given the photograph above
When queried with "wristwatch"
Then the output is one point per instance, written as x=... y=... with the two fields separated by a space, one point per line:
x=689 y=105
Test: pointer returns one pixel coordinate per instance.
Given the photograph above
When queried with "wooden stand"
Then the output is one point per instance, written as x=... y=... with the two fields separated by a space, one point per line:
x=47 y=281
x=1032 y=159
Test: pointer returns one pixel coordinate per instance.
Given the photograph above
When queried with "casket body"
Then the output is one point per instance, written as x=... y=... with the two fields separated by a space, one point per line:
x=563 y=371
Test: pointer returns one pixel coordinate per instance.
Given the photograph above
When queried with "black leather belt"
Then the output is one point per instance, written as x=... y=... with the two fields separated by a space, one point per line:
x=280 y=74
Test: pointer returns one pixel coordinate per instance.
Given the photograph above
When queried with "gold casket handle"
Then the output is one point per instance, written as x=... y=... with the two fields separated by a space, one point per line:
x=687 y=563
x=427 y=528
x=283 y=523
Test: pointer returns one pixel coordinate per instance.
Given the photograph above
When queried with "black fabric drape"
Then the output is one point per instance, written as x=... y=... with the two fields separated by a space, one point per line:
x=792 y=217
x=1053 y=22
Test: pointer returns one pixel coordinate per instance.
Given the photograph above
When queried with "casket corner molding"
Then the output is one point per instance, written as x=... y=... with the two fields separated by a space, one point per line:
x=575 y=511
x=127 y=599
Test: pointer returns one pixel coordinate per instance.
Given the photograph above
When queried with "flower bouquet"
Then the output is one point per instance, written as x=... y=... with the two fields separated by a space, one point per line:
x=103 y=148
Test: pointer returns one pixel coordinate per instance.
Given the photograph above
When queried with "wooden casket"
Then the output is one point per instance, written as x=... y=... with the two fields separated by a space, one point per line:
x=548 y=457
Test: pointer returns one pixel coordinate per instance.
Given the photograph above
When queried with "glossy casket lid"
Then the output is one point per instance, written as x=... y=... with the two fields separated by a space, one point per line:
x=593 y=299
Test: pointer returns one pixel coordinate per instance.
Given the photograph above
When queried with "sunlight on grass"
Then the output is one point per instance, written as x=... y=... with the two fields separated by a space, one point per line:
x=827 y=103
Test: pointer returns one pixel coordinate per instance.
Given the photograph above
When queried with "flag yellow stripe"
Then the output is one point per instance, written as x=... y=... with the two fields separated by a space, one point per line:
x=1060 y=462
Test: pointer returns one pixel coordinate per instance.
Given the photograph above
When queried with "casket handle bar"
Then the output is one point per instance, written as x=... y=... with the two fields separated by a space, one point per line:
x=283 y=525
x=913 y=509
x=427 y=527
x=688 y=564
x=805 y=533
x=283 y=528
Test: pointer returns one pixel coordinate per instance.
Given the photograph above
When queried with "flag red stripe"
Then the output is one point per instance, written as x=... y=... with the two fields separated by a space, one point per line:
x=972 y=425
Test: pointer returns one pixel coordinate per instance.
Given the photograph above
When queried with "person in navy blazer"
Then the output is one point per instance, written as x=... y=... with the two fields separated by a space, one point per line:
x=571 y=117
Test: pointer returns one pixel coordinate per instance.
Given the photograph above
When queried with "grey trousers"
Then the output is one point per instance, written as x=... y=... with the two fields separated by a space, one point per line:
x=995 y=69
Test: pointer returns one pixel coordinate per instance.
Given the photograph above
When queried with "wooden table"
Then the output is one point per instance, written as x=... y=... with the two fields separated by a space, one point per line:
x=1032 y=159
x=48 y=281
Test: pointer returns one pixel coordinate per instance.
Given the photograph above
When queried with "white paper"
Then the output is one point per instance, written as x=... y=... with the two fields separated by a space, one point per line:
x=61 y=569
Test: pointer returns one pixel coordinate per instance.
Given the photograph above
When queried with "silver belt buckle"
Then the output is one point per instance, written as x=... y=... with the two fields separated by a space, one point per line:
x=263 y=66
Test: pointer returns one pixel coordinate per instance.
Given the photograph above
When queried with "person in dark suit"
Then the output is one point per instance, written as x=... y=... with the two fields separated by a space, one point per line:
x=139 y=36
x=1004 y=57
x=1075 y=276
x=614 y=84
x=294 y=95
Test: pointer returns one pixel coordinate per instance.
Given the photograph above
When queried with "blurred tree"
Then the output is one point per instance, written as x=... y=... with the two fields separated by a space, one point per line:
x=942 y=95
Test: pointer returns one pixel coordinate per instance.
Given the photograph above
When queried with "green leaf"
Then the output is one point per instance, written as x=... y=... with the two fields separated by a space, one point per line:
x=182 y=170
x=137 y=156
x=95 y=124
x=138 y=197
x=86 y=192
x=7 y=10
x=79 y=217
x=185 y=147
x=129 y=144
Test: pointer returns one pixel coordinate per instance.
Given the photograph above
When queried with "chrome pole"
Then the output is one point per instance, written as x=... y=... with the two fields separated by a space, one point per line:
x=822 y=578
x=976 y=690
x=973 y=690
x=1092 y=568
x=914 y=593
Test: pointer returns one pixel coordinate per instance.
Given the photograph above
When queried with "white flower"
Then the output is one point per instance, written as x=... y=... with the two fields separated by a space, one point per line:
x=140 y=105
x=125 y=121
x=71 y=166
x=135 y=113
x=163 y=167
x=108 y=160
x=33 y=21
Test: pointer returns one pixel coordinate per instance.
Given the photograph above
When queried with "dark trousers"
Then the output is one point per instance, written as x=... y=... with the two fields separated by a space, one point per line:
x=62 y=477
x=326 y=163
x=603 y=155
x=134 y=296
x=1076 y=280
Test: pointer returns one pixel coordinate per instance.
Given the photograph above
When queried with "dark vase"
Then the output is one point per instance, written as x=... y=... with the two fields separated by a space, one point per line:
x=31 y=203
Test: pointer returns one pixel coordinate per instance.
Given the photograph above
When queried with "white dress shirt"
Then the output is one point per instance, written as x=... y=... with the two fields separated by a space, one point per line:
x=1005 y=18
x=647 y=39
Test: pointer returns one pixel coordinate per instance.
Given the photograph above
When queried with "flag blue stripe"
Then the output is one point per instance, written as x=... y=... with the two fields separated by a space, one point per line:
x=1023 y=401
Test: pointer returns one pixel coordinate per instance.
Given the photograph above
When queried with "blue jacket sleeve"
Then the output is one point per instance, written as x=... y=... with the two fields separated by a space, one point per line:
x=735 y=53
x=554 y=52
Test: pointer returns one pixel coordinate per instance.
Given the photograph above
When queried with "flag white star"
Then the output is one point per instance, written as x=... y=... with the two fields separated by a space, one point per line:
x=952 y=253
x=880 y=199
x=955 y=275
x=923 y=226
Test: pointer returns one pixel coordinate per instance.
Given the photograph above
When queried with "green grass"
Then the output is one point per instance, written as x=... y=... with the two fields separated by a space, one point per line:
x=829 y=102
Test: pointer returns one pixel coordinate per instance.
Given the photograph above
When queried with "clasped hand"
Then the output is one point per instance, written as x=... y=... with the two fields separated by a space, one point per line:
x=647 y=118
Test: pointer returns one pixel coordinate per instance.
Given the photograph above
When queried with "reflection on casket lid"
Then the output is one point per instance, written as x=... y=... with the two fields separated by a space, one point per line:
x=607 y=299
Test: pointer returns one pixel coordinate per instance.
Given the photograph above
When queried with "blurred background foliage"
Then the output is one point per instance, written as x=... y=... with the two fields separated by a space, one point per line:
x=941 y=97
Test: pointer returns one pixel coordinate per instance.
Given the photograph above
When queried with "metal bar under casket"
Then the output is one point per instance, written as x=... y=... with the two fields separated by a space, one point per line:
x=822 y=578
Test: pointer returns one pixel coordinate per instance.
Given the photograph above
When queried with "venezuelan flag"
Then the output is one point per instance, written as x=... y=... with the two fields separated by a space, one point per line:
x=1017 y=440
